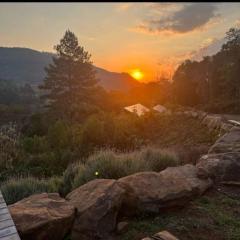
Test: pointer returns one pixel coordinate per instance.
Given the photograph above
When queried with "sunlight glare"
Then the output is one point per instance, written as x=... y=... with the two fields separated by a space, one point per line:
x=137 y=74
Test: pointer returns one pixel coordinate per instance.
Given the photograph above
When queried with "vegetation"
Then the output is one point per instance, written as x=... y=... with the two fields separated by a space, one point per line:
x=103 y=164
x=70 y=84
x=16 y=189
x=111 y=165
x=212 y=216
x=43 y=150
x=212 y=83
x=16 y=101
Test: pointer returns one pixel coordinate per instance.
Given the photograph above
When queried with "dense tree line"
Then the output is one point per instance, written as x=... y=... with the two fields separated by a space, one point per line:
x=213 y=82
x=11 y=93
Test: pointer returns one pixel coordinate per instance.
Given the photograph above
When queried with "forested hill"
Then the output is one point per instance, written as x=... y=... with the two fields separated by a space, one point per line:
x=23 y=65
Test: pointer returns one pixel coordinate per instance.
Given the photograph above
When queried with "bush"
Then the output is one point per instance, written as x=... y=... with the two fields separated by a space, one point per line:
x=35 y=144
x=68 y=177
x=111 y=165
x=59 y=135
x=9 y=146
x=16 y=189
x=92 y=135
x=159 y=159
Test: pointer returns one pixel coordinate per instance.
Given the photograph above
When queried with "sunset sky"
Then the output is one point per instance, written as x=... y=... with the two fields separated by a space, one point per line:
x=152 y=37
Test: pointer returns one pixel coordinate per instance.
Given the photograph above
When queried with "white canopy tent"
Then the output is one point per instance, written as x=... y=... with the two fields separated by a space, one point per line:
x=138 y=108
x=159 y=108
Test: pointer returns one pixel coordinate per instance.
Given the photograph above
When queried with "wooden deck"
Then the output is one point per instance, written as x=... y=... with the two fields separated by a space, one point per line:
x=8 y=230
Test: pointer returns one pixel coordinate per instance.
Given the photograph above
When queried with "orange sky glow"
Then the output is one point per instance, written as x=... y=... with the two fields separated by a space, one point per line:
x=152 y=37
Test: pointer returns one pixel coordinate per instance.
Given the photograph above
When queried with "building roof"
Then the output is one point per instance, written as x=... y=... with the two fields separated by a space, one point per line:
x=138 y=108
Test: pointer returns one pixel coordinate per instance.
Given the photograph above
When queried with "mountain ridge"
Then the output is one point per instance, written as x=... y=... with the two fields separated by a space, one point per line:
x=26 y=65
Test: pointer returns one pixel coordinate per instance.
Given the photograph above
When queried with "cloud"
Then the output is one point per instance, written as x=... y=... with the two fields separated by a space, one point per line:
x=181 y=18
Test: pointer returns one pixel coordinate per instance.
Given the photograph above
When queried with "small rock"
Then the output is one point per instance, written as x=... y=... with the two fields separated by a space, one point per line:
x=165 y=235
x=122 y=227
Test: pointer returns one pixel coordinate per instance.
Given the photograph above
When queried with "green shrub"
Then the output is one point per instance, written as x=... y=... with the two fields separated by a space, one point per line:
x=111 y=165
x=9 y=147
x=159 y=159
x=16 y=189
x=68 y=177
x=59 y=135
x=35 y=144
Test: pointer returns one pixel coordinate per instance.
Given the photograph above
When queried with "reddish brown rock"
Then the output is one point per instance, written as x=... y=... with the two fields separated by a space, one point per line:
x=98 y=203
x=42 y=217
x=151 y=191
x=165 y=235
x=122 y=227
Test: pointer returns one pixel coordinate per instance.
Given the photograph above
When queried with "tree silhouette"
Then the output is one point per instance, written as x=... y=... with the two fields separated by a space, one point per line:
x=70 y=82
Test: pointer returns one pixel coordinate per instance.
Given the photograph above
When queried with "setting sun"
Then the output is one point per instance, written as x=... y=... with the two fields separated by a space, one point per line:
x=137 y=74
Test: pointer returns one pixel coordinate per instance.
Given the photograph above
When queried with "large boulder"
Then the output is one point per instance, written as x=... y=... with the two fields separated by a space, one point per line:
x=229 y=142
x=98 y=203
x=220 y=167
x=152 y=192
x=42 y=217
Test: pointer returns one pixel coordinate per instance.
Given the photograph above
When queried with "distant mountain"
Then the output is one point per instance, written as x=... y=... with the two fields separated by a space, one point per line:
x=23 y=65
x=115 y=81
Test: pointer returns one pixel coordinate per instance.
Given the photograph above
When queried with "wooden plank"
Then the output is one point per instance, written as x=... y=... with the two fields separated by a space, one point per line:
x=2 y=200
x=11 y=237
x=6 y=223
x=7 y=231
x=3 y=211
x=3 y=205
x=5 y=216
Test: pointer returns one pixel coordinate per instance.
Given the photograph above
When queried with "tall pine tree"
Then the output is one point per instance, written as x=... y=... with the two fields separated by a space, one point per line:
x=70 y=83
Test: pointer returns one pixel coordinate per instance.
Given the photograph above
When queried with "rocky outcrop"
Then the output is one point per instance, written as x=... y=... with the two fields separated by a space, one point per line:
x=222 y=163
x=220 y=167
x=152 y=192
x=42 y=217
x=229 y=142
x=98 y=203
x=213 y=122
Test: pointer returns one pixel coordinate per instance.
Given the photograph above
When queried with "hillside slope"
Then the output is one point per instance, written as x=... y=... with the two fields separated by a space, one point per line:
x=23 y=65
